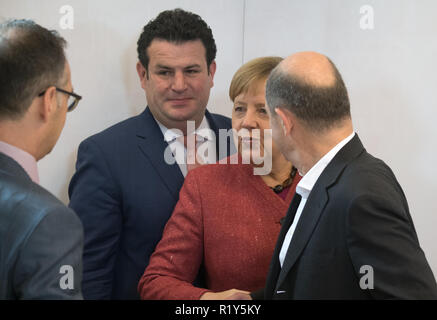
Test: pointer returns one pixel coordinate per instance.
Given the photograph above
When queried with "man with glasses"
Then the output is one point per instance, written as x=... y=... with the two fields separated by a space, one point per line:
x=73 y=98
x=41 y=240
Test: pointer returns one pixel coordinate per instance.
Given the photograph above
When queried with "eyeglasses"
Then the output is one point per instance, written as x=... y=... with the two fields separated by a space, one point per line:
x=73 y=99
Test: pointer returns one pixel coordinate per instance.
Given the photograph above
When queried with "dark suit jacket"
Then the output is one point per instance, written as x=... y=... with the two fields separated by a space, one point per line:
x=124 y=193
x=356 y=216
x=38 y=235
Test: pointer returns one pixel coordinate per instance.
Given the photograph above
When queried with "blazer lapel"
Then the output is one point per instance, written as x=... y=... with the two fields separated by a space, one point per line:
x=152 y=144
x=275 y=266
x=315 y=205
x=305 y=227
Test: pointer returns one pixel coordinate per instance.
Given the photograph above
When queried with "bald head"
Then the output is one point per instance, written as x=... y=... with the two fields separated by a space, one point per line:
x=309 y=85
x=311 y=68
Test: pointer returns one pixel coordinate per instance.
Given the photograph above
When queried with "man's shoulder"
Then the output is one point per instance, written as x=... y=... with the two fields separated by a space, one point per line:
x=368 y=174
x=26 y=194
x=369 y=167
x=18 y=189
x=121 y=133
x=117 y=131
x=221 y=121
x=27 y=204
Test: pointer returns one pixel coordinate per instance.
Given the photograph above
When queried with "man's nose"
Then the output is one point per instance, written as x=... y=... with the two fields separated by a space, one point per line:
x=179 y=84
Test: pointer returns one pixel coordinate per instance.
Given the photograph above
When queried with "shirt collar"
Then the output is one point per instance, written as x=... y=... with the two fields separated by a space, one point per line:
x=308 y=181
x=170 y=135
x=24 y=159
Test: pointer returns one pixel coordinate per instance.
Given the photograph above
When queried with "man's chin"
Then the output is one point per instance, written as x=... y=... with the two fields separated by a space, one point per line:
x=185 y=114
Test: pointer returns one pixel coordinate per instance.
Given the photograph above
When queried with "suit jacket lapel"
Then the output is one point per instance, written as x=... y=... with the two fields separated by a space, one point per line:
x=151 y=142
x=305 y=227
x=315 y=205
x=275 y=266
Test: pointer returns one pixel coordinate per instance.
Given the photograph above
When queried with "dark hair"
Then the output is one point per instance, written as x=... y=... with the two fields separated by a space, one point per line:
x=176 y=26
x=32 y=58
x=319 y=107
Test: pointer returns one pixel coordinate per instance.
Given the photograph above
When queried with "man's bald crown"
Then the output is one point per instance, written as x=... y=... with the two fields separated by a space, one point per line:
x=310 y=68
x=309 y=85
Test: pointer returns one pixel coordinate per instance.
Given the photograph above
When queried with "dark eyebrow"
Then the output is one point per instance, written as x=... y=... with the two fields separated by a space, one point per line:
x=192 y=66
x=160 y=66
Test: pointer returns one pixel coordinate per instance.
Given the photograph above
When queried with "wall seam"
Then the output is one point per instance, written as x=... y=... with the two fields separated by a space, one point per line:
x=244 y=32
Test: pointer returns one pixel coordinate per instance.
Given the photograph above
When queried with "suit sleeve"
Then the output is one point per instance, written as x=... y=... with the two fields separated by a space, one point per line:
x=258 y=295
x=49 y=265
x=178 y=256
x=384 y=248
x=94 y=197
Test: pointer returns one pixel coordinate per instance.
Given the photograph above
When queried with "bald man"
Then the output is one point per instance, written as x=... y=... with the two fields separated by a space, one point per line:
x=348 y=233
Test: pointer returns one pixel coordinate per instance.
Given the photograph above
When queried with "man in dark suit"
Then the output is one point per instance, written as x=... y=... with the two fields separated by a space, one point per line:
x=348 y=233
x=124 y=189
x=40 y=238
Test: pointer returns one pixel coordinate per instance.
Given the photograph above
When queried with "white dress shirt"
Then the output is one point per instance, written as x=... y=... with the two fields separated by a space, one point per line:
x=304 y=188
x=175 y=140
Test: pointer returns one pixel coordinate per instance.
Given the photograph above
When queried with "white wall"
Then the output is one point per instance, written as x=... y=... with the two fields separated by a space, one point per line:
x=389 y=71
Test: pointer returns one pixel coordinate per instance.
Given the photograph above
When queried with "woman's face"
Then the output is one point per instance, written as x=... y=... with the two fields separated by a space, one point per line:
x=250 y=113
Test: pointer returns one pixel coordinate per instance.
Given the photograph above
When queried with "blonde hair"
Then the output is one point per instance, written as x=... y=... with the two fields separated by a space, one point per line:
x=251 y=72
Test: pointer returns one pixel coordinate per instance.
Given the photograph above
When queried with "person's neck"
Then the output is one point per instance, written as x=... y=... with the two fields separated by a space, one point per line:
x=281 y=169
x=15 y=135
x=317 y=146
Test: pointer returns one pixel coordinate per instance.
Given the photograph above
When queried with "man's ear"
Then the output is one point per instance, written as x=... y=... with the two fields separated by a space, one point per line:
x=286 y=119
x=142 y=73
x=212 y=68
x=49 y=104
